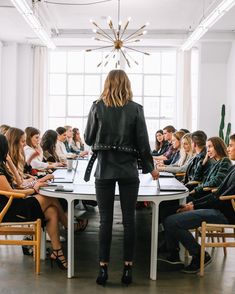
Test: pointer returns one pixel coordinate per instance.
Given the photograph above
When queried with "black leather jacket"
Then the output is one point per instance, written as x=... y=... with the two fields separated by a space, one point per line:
x=119 y=128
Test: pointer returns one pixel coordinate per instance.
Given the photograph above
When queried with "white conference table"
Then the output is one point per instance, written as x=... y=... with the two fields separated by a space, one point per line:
x=148 y=191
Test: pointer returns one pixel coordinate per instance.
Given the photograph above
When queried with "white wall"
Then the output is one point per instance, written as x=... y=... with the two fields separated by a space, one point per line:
x=231 y=88
x=16 y=85
x=213 y=76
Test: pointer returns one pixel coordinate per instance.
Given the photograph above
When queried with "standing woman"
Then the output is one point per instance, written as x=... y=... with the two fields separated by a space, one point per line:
x=117 y=131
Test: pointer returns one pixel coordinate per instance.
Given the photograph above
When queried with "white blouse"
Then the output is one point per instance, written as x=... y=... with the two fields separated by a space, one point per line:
x=37 y=162
x=61 y=151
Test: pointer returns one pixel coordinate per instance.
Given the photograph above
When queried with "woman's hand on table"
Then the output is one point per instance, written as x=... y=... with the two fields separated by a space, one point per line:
x=155 y=174
x=38 y=185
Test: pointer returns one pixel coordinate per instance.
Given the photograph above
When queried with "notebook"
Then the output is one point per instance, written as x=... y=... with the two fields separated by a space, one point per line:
x=69 y=177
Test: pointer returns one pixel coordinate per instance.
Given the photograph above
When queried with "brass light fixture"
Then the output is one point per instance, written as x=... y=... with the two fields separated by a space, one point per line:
x=118 y=41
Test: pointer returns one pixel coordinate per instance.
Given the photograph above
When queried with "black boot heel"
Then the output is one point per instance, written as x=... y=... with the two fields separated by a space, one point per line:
x=127 y=275
x=103 y=275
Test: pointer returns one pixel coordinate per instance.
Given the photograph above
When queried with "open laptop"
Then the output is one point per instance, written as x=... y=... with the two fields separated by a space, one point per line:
x=163 y=174
x=67 y=177
x=174 y=187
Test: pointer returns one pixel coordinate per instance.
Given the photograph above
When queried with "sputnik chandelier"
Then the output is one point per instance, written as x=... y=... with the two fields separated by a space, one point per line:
x=119 y=41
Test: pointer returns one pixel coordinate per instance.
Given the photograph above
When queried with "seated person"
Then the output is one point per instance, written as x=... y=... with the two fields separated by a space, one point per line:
x=176 y=144
x=4 y=129
x=69 y=137
x=199 y=146
x=186 y=154
x=60 y=150
x=48 y=145
x=190 y=216
x=216 y=149
x=32 y=208
x=16 y=140
x=161 y=144
x=77 y=146
x=33 y=147
x=167 y=133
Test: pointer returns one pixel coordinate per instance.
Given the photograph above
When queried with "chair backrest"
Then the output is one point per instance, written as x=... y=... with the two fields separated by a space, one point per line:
x=11 y=196
x=20 y=229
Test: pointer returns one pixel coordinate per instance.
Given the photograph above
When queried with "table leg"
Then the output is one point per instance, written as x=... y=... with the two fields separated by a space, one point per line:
x=43 y=244
x=154 y=242
x=70 y=239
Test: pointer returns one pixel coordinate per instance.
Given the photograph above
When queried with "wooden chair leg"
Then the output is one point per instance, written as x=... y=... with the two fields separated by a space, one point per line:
x=38 y=246
x=224 y=248
x=203 y=240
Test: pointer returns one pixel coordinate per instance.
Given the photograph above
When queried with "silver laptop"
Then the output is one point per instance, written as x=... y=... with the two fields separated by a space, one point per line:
x=68 y=177
x=172 y=187
x=163 y=174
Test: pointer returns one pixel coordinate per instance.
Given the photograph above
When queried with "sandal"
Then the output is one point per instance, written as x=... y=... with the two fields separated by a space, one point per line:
x=58 y=257
x=81 y=224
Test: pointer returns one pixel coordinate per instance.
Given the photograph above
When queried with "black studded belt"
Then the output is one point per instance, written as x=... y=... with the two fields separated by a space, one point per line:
x=97 y=147
x=89 y=167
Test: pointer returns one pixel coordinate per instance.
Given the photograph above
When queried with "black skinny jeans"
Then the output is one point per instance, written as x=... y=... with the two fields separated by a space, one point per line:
x=105 y=193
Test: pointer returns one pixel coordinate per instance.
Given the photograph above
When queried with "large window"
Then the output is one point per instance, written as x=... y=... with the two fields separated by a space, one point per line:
x=75 y=82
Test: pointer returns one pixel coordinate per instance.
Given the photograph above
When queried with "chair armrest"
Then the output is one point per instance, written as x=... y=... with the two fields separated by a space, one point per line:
x=180 y=174
x=193 y=183
x=229 y=197
x=13 y=194
x=207 y=189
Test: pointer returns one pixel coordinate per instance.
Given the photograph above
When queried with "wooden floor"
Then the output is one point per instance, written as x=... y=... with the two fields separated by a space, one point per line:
x=17 y=272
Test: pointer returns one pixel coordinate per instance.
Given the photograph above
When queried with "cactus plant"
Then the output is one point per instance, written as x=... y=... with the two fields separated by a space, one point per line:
x=228 y=134
x=221 y=127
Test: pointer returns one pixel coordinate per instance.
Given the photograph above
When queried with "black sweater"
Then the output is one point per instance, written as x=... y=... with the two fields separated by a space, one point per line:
x=212 y=200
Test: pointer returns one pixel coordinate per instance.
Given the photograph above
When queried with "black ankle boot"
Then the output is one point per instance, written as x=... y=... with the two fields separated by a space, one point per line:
x=127 y=275
x=103 y=275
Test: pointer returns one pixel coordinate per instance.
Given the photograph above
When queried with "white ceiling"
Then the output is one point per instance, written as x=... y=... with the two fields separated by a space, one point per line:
x=169 y=19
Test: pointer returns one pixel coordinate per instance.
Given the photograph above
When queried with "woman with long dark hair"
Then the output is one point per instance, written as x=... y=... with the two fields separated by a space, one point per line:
x=33 y=147
x=161 y=144
x=117 y=131
x=31 y=208
x=216 y=151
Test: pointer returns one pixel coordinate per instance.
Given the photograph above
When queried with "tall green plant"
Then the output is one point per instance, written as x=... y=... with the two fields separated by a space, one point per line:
x=228 y=134
x=221 y=127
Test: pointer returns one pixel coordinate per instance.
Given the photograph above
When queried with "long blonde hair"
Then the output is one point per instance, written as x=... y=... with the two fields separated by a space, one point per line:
x=117 y=89
x=13 y=136
x=183 y=155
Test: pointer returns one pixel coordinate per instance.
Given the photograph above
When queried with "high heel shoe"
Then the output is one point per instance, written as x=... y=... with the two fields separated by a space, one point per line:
x=103 y=275
x=127 y=275
x=58 y=258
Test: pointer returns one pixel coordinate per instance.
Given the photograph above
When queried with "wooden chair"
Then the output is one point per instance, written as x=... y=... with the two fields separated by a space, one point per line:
x=21 y=229
x=216 y=231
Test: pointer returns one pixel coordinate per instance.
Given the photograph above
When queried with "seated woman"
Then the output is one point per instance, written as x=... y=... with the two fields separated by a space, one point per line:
x=216 y=150
x=31 y=208
x=176 y=143
x=16 y=141
x=33 y=147
x=61 y=151
x=76 y=144
x=161 y=144
x=186 y=154
x=4 y=129
x=48 y=144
